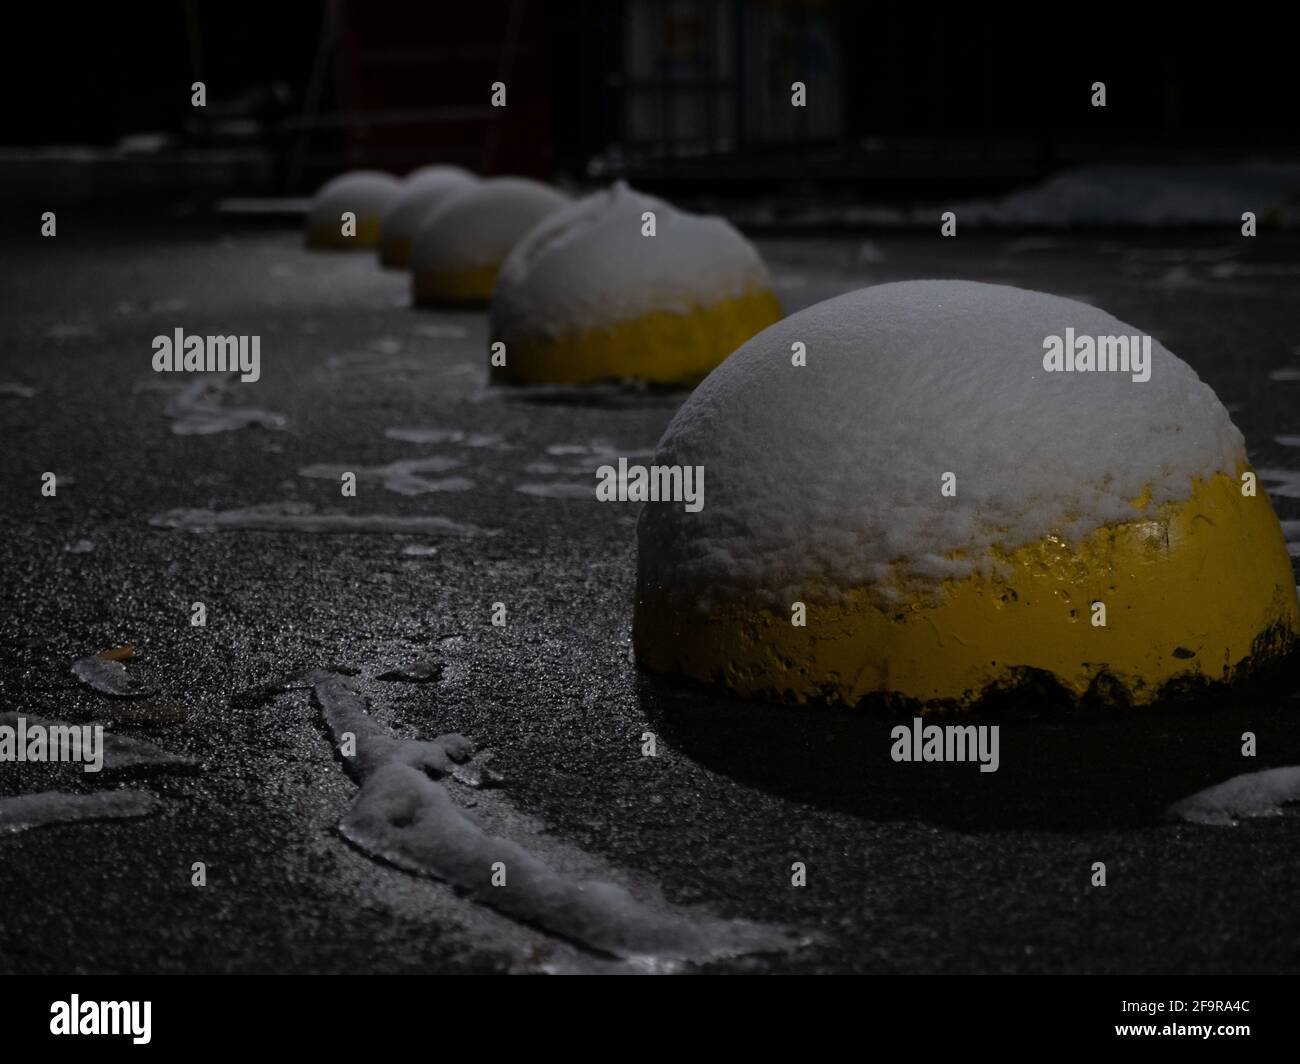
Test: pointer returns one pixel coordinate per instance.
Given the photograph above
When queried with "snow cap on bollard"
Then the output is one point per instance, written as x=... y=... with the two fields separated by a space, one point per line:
x=624 y=285
x=421 y=193
x=461 y=245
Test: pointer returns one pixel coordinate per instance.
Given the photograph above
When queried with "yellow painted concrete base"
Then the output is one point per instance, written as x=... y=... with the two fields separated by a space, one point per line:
x=439 y=288
x=662 y=347
x=395 y=254
x=331 y=236
x=1196 y=590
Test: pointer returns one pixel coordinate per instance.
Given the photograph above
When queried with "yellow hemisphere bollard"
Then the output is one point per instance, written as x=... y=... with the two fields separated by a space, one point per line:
x=459 y=247
x=347 y=211
x=962 y=485
x=623 y=285
x=422 y=192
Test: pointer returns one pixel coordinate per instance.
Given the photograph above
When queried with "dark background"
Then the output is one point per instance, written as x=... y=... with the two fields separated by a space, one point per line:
x=688 y=96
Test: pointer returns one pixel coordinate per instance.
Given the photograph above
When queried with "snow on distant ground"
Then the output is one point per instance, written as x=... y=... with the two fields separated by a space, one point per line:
x=1146 y=196
x=1142 y=196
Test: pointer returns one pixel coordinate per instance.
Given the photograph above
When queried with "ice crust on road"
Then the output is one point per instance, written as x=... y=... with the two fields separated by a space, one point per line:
x=200 y=409
x=405 y=476
x=108 y=677
x=302 y=517
x=121 y=752
x=57 y=807
x=406 y=815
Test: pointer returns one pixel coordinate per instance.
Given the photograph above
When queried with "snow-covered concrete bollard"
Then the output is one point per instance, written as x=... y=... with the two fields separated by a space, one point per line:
x=623 y=285
x=422 y=191
x=461 y=245
x=952 y=487
x=347 y=210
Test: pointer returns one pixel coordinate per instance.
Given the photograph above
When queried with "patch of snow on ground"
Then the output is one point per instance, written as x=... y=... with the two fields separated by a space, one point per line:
x=1253 y=794
x=407 y=814
x=302 y=517
x=56 y=807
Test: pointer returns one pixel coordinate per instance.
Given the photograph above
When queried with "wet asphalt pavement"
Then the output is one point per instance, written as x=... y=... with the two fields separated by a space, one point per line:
x=910 y=867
